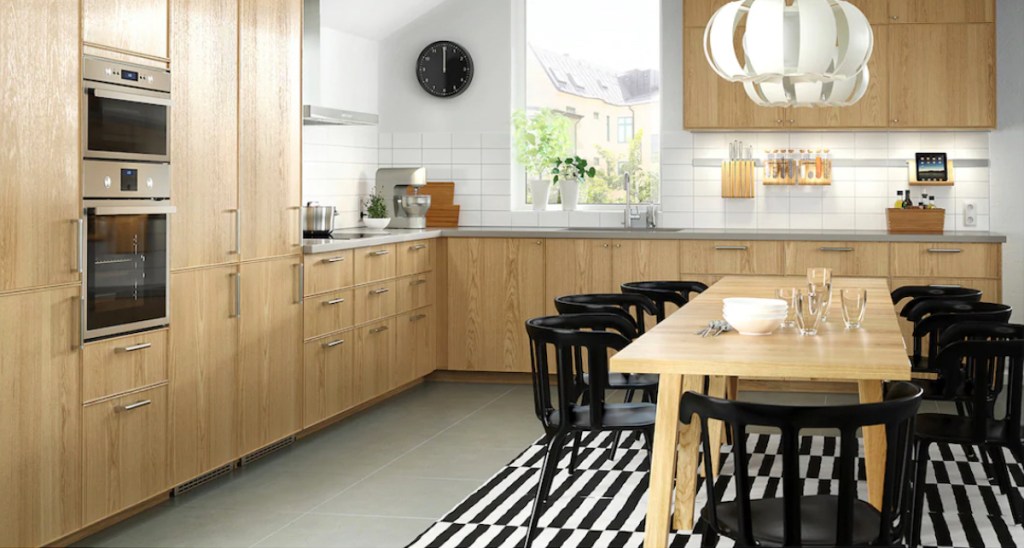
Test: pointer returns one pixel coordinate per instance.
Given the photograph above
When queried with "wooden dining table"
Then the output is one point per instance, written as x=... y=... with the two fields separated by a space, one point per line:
x=867 y=356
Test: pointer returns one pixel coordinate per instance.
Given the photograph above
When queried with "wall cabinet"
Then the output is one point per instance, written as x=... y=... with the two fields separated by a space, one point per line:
x=134 y=26
x=39 y=134
x=942 y=11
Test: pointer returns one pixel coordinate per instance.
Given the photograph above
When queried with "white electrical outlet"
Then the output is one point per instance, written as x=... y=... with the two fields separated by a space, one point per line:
x=970 y=214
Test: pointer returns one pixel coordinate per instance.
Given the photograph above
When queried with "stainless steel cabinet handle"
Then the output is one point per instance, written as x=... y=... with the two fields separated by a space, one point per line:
x=238 y=231
x=80 y=245
x=133 y=348
x=420 y=281
x=332 y=344
x=238 y=294
x=944 y=250
x=136 y=405
x=417 y=247
x=334 y=301
x=836 y=249
x=332 y=260
x=731 y=248
x=302 y=282
x=379 y=252
x=81 y=322
x=380 y=291
x=417 y=317
x=380 y=329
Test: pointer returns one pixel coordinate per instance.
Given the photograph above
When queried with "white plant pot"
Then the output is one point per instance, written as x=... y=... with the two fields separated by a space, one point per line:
x=376 y=224
x=540 y=189
x=570 y=190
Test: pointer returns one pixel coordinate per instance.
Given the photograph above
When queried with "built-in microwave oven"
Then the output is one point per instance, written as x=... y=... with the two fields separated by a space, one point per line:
x=127 y=111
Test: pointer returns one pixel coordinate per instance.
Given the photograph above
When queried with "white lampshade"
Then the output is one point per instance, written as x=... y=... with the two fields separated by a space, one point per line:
x=811 y=53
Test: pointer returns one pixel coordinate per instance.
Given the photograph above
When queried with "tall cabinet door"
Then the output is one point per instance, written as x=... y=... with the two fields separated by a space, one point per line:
x=40 y=417
x=133 y=25
x=270 y=355
x=204 y=132
x=270 y=126
x=512 y=269
x=467 y=303
x=39 y=134
x=576 y=266
x=203 y=371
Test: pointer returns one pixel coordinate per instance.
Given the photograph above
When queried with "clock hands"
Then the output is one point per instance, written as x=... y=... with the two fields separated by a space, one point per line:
x=444 y=59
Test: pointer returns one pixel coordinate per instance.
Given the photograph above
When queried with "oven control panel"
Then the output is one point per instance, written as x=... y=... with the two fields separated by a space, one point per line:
x=97 y=69
x=125 y=180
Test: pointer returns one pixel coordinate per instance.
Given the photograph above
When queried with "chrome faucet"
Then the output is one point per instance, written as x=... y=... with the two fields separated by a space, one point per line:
x=631 y=216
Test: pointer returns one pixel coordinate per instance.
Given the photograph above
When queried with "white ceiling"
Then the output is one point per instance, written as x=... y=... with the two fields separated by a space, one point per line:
x=373 y=19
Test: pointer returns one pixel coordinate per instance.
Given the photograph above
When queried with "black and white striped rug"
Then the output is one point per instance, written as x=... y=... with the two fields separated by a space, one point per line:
x=604 y=503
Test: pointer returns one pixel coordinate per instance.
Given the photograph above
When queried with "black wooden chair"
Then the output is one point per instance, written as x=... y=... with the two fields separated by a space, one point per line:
x=577 y=341
x=925 y=292
x=665 y=292
x=797 y=519
x=931 y=316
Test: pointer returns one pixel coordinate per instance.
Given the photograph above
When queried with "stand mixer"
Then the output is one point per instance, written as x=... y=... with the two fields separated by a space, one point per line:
x=406 y=210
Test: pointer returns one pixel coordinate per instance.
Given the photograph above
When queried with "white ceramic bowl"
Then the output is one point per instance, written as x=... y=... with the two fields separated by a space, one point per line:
x=753 y=305
x=747 y=325
x=376 y=224
x=755 y=311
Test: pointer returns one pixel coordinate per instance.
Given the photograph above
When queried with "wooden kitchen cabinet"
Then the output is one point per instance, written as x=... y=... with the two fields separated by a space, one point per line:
x=942 y=76
x=415 y=291
x=270 y=127
x=942 y=11
x=118 y=365
x=40 y=416
x=415 y=257
x=328 y=271
x=328 y=376
x=203 y=372
x=573 y=267
x=416 y=346
x=374 y=301
x=328 y=313
x=270 y=352
x=39 y=134
x=762 y=258
x=131 y=26
x=375 y=355
x=204 y=133
x=859 y=259
x=643 y=260
x=942 y=260
x=375 y=263
x=494 y=286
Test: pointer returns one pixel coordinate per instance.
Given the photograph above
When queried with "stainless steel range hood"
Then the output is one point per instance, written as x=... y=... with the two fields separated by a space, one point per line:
x=313 y=114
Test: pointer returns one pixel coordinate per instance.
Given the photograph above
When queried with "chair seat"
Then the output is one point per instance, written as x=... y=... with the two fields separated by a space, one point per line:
x=616 y=415
x=818 y=518
x=937 y=427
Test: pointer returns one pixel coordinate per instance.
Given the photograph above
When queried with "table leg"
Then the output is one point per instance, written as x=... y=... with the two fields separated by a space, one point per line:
x=659 y=501
x=733 y=388
x=717 y=387
x=687 y=461
x=874 y=445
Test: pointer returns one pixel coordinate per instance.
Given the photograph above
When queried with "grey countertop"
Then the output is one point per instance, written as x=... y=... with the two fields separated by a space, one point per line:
x=363 y=238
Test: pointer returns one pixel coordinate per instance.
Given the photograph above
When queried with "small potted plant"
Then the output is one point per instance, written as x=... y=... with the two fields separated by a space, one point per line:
x=571 y=172
x=539 y=137
x=376 y=212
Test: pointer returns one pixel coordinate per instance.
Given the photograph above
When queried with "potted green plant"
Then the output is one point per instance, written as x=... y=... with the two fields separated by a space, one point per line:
x=376 y=212
x=538 y=139
x=569 y=174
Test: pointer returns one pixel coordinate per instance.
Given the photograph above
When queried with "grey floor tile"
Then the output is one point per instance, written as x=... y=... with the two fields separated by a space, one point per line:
x=400 y=496
x=441 y=459
x=314 y=530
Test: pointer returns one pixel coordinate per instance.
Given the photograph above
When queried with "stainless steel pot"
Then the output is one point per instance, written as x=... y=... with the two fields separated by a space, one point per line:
x=318 y=219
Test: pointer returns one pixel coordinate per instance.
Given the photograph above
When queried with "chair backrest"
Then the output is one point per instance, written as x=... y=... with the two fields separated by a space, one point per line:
x=576 y=342
x=664 y=292
x=636 y=307
x=935 y=324
x=974 y=330
x=932 y=291
x=896 y=414
x=915 y=305
x=983 y=364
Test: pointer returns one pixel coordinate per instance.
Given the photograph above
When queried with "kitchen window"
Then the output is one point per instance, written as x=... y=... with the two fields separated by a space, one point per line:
x=607 y=64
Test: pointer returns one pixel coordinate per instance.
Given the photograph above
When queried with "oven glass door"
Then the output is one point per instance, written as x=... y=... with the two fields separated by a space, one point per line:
x=126 y=271
x=126 y=125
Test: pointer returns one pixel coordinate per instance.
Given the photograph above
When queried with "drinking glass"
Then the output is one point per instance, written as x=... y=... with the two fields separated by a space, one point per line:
x=855 y=301
x=789 y=294
x=819 y=280
x=809 y=308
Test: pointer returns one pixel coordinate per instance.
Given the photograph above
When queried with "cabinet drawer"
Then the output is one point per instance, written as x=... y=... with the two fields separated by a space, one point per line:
x=328 y=377
x=375 y=263
x=374 y=359
x=125 y=452
x=934 y=260
x=864 y=259
x=731 y=257
x=328 y=271
x=415 y=257
x=417 y=348
x=374 y=301
x=415 y=291
x=118 y=365
x=328 y=313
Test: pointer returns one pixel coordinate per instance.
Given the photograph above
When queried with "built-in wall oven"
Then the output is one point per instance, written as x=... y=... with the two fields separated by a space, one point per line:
x=126 y=182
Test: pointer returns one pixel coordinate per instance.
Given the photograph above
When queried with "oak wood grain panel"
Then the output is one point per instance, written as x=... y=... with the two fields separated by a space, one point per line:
x=270 y=126
x=204 y=372
x=204 y=132
x=643 y=260
x=133 y=25
x=415 y=291
x=416 y=351
x=865 y=259
x=466 y=304
x=942 y=11
x=375 y=301
x=375 y=263
x=39 y=143
x=441 y=302
x=375 y=355
x=328 y=313
x=125 y=452
x=877 y=12
x=328 y=377
x=731 y=257
x=415 y=257
x=329 y=271
x=960 y=56
x=270 y=353
x=697 y=13
x=40 y=416
x=110 y=367
x=573 y=267
x=938 y=260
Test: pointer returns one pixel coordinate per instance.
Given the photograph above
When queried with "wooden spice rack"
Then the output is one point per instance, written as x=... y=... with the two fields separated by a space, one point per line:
x=738 y=179
x=912 y=175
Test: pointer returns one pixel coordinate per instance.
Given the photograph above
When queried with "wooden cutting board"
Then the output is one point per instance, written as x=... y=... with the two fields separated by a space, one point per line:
x=443 y=216
x=440 y=193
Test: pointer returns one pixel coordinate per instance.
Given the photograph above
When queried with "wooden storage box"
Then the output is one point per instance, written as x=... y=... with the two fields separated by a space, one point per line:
x=915 y=221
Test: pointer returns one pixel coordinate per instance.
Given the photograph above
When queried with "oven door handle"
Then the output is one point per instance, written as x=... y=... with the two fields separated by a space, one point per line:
x=131 y=97
x=130 y=210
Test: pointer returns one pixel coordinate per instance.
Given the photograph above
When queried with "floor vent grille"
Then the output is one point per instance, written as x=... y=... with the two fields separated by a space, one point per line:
x=203 y=479
x=260 y=453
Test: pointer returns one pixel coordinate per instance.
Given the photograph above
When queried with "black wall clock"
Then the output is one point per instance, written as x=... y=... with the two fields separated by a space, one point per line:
x=444 y=69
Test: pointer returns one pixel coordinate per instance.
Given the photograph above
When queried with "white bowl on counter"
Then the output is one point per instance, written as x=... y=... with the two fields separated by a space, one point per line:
x=753 y=325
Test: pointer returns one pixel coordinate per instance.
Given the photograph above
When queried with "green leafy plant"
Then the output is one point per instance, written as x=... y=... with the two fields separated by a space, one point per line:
x=376 y=207
x=539 y=138
x=572 y=168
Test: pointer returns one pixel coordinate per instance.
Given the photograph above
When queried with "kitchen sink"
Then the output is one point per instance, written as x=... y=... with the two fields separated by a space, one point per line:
x=620 y=229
